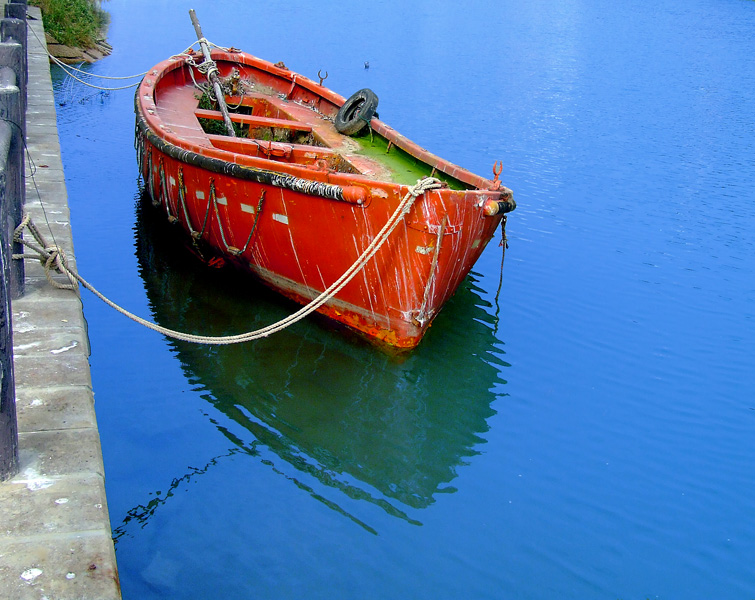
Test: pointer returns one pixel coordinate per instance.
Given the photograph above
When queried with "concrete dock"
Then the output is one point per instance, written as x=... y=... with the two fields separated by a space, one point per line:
x=55 y=534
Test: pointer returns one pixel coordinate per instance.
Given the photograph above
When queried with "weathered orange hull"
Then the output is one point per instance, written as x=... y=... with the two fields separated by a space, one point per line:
x=295 y=216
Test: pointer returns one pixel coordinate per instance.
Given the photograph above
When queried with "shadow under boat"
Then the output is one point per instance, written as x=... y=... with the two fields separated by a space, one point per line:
x=378 y=428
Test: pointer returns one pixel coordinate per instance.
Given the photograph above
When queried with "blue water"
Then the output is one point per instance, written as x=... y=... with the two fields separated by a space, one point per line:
x=590 y=434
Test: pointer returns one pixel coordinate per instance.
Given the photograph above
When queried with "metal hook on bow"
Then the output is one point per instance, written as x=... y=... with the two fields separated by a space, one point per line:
x=497 y=170
x=320 y=75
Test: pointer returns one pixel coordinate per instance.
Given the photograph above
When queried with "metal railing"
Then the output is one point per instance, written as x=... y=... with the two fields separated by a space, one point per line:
x=13 y=79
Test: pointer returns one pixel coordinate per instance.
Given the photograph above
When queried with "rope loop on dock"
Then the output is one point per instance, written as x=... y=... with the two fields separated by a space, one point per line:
x=53 y=258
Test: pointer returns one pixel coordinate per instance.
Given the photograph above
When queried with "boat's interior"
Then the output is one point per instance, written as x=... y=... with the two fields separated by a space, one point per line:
x=266 y=130
x=269 y=125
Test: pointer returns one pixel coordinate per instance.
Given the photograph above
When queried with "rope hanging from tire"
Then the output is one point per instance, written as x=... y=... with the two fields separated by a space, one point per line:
x=53 y=259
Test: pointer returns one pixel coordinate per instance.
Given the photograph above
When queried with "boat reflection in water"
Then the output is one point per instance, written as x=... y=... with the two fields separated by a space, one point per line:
x=333 y=407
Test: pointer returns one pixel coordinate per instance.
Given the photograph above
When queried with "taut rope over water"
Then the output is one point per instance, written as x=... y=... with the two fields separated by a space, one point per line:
x=68 y=69
x=53 y=258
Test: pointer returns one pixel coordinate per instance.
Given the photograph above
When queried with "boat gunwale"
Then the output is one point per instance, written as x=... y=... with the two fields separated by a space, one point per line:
x=231 y=169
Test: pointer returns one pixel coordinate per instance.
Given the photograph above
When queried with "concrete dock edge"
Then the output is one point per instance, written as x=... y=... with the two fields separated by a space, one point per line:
x=55 y=535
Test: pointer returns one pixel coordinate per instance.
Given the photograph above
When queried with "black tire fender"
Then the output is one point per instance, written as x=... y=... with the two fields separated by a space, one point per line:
x=356 y=112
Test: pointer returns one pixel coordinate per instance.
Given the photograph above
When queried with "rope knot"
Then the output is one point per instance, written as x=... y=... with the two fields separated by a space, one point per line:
x=52 y=256
x=17 y=239
x=419 y=188
x=424 y=184
x=57 y=260
x=208 y=68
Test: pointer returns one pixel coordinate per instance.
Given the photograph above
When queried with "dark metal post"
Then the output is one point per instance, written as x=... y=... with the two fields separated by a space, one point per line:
x=12 y=134
x=14 y=10
x=8 y=424
x=13 y=30
x=11 y=158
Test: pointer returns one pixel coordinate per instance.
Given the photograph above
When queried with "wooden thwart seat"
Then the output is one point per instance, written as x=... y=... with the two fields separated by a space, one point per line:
x=249 y=146
x=253 y=120
x=311 y=156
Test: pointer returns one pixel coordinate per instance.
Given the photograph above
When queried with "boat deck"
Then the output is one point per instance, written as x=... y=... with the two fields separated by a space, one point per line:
x=266 y=136
x=277 y=129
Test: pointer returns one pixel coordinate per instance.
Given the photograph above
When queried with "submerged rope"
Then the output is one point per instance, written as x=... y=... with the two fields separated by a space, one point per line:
x=53 y=258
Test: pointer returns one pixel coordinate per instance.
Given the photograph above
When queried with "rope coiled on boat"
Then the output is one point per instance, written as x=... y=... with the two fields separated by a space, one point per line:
x=53 y=259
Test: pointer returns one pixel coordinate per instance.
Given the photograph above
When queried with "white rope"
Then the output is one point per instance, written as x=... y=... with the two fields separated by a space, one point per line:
x=91 y=85
x=69 y=68
x=204 y=68
x=185 y=53
x=49 y=255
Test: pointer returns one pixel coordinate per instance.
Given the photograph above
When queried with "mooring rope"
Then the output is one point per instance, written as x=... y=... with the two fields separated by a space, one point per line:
x=69 y=68
x=191 y=48
x=206 y=67
x=91 y=85
x=53 y=258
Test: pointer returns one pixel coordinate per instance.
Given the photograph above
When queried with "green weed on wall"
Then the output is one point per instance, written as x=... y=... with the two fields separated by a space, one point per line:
x=72 y=22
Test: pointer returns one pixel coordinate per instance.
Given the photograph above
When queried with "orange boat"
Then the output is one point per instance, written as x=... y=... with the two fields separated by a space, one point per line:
x=286 y=179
